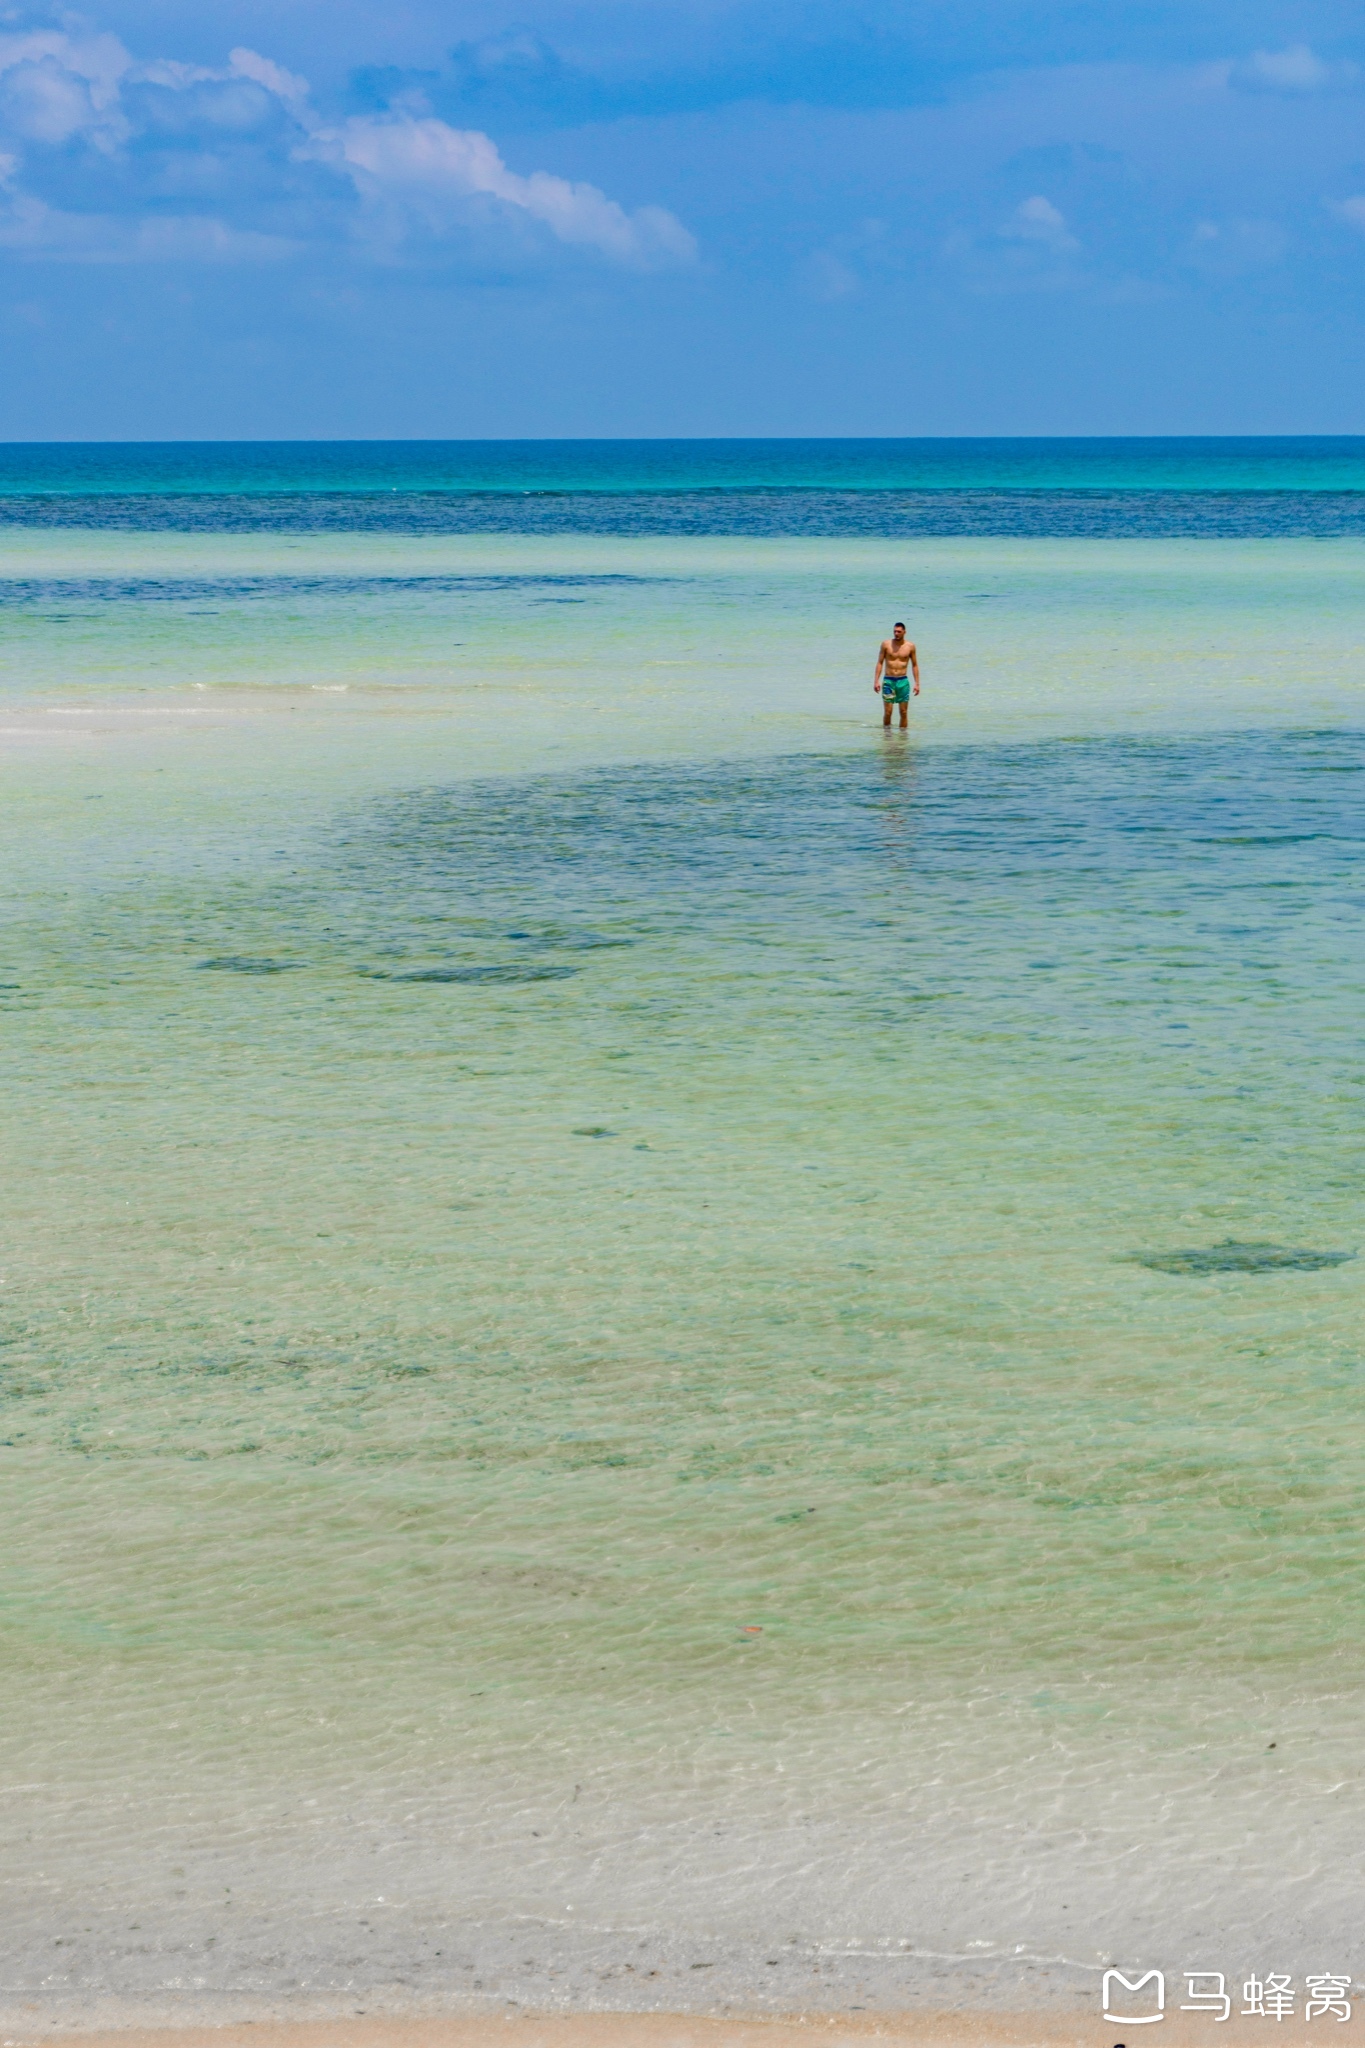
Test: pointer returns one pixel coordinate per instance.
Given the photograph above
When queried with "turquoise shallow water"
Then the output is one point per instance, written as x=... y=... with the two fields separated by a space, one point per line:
x=1192 y=488
x=636 y=468
x=642 y=1328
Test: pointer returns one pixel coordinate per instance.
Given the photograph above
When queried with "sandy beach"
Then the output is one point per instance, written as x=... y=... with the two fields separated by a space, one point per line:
x=584 y=2030
x=638 y=2030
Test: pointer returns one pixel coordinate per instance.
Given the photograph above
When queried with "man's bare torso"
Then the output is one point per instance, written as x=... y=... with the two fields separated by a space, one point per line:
x=896 y=657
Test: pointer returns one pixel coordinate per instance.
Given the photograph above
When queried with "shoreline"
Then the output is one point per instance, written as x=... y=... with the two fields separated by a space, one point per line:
x=518 y=2028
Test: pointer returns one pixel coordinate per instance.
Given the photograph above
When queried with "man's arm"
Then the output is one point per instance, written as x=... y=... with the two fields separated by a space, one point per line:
x=877 y=671
x=914 y=663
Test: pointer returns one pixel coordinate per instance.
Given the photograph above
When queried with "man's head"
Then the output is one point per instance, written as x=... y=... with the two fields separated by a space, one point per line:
x=898 y=630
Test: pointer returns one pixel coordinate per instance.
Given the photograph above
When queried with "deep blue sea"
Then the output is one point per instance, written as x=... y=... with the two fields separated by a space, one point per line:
x=1235 y=488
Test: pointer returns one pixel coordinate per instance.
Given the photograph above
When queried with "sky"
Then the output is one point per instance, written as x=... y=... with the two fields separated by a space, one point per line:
x=469 y=218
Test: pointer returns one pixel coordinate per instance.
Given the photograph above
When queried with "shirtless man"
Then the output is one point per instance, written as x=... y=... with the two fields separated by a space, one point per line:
x=896 y=656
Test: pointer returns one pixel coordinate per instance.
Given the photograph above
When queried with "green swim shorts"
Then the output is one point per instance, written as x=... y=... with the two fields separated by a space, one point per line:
x=896 y=689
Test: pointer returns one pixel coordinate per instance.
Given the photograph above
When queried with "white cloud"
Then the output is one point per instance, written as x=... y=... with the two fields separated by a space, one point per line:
x=430 y=168
x=1294 y=69
x=417 y=179
x=101 y=60
x=1231 y=248
x=861 y=255
x=1032 y=250
x=828 y=277
x=31 y=228
x=54 y=86
x=286 y=85
x=1038 y=220
x=44 y=103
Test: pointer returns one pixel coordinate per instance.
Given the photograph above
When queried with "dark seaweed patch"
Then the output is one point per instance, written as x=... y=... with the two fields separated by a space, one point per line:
x=236 y=589
x=242 y=963
x=1231 y=1257
x=480 y=975
x=1262 y=839
x=571 y=942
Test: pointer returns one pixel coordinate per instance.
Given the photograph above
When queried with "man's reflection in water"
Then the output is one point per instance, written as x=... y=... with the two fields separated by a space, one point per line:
x=895 y=800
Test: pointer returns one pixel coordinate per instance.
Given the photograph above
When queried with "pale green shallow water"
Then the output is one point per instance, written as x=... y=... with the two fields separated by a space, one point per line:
x=415 y=1387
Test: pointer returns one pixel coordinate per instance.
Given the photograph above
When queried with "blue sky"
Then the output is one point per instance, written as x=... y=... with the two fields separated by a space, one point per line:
x=699 y=217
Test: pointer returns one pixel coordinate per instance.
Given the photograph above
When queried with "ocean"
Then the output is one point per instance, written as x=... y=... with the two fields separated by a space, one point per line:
x=658 y=1350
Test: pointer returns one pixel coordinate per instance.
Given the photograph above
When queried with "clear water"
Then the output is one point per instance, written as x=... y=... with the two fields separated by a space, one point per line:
x=643 y=1328
x=640 y=468
x=1188 y=488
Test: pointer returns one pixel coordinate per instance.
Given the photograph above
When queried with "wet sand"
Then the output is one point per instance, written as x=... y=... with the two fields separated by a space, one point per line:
x=634 y=2030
